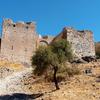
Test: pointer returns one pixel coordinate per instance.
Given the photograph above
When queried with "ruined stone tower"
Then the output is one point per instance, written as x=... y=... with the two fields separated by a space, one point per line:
x=18 y=41
x=81 y=41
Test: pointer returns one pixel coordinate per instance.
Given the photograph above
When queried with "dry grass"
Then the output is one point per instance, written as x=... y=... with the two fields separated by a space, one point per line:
x=15 y=66
x=79 y=87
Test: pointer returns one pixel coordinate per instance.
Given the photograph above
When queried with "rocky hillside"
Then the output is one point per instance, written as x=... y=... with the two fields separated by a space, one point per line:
x=85 y=86
x=20 y=84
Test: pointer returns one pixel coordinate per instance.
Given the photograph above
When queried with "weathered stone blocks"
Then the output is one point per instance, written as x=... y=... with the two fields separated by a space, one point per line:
x=18 y=40
x=81 y=41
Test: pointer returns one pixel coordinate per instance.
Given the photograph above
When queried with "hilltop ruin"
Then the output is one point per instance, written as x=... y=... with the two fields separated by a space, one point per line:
x=20 y=40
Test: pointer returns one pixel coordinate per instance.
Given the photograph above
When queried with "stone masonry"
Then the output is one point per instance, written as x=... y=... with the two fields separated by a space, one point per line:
x=18 y=40
x=81 y=41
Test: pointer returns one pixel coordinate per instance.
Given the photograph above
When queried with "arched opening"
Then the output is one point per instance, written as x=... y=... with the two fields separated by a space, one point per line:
x=43 y=42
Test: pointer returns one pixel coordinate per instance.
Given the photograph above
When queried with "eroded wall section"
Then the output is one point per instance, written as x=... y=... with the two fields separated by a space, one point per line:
x=19 y=40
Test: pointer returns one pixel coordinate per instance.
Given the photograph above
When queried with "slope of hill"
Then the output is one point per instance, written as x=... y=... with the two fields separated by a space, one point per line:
x=79 y=87
x=85 y=86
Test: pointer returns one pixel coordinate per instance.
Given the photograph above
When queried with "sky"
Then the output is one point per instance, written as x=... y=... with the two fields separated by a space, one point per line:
x=51 y=16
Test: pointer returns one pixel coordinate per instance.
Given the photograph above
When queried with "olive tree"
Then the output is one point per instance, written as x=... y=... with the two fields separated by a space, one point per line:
x=53 y=55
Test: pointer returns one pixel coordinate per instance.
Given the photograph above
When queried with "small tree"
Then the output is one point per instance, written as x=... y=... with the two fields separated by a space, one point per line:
x=53 y=55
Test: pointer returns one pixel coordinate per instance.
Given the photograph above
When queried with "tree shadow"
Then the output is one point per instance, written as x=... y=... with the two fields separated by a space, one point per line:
x=21 y=96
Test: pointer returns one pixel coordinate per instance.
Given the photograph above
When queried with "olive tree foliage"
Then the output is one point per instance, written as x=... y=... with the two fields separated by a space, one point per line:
x=51 y=56
x=42 y=59
x=62 y=49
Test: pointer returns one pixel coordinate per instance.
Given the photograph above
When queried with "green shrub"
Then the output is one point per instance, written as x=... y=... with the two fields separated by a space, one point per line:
x=72 y=71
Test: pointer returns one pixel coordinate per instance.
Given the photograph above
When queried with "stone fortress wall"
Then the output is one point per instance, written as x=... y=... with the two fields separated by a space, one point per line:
x=18 y=40
x=81 y=41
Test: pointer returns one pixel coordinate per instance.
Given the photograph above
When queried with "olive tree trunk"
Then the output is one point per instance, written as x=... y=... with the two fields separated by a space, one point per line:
x=55 y=77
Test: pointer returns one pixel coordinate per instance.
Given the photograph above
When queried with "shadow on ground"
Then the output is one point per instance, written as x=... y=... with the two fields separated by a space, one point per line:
x=20 y=96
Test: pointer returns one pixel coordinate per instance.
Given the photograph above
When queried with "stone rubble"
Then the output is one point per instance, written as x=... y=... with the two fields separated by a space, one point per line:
x=14 y=83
